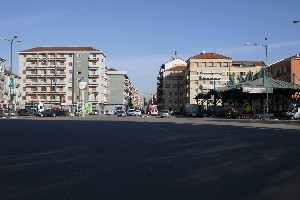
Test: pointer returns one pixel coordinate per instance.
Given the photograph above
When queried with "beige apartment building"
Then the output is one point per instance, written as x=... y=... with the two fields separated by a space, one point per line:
x=51 y=75
x=174 y=88
x=170 y=85
x=207 y=71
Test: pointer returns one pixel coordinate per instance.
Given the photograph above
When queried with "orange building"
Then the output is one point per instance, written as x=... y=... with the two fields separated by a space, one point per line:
x=286 y=70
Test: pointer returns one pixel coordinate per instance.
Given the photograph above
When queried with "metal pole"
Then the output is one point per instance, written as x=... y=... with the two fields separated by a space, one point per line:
x=266 y=74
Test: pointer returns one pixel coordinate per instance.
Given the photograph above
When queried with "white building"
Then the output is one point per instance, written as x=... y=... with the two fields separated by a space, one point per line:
x=51 y=75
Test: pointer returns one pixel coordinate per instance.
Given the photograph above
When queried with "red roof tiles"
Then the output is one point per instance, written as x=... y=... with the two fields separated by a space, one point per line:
x=209 y=56
x=177 y=68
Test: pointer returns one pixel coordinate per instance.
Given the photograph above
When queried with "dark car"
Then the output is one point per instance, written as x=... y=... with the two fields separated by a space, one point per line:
x=46 y=113
x=23 y=112
x=62 y=112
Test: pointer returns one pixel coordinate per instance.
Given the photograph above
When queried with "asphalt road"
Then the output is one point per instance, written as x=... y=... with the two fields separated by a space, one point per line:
x=106 y=157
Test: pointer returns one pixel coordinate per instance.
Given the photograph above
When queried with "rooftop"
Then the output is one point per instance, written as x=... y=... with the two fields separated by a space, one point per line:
x=177 y=68
x=59 y=49
x=209 y=56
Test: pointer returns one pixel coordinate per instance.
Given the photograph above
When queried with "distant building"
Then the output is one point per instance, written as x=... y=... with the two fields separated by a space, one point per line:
x=116 y=90
x=286 y=69
x=120 y=91
x=51 y=75
x=168 y=85
x=207 y=71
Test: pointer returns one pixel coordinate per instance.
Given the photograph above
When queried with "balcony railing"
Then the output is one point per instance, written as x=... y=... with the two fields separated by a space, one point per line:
x=93 y=67
x=93 y=58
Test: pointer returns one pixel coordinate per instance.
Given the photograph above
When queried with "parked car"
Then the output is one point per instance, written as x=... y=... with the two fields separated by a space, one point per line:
x=130 y=112
x=164 y=113
x=46 y=113
x=62 y=112
x=9 y=112
x=138 y=112
x=109 y=112
x=23 y=112
x=121 y=113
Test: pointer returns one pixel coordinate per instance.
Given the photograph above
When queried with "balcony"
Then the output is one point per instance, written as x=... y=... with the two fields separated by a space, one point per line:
x=93 y=67
x=93 y=58
x=93 y=92
x=93 y=84
x=93 y=75
x=93 y=100
x=46 y=92
x=32 y=75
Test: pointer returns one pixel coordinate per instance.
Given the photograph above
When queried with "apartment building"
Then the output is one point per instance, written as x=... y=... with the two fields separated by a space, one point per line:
x=174 y=88
x=51 y=75
x=120 y=91
x=207 y=71
x=170 y=83
x=116 y=81
x=287 y=69
x=9 y=87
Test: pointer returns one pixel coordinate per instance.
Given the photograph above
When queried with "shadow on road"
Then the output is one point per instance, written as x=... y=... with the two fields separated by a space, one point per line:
x=106 y=159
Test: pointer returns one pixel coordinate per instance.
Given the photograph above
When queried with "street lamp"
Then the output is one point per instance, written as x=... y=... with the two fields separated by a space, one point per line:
x=264 y=69
x=11 y=85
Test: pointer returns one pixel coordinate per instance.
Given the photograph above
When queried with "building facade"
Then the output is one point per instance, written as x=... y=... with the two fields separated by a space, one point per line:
x=174 y=89
x=51 y=75
x=116 y=94
x=120 y=91
x=9 y=88
x=207 y=71
x=286 y=69
x=167 y=87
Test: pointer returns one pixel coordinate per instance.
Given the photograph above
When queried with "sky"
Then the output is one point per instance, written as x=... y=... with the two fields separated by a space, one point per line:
x=138 y=36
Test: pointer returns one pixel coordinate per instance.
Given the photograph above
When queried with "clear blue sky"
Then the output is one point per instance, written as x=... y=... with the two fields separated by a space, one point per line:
x=140 y=35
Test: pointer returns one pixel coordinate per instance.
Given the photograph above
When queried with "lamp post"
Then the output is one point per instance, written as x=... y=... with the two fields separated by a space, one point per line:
x=264 y=70
x=11 y=85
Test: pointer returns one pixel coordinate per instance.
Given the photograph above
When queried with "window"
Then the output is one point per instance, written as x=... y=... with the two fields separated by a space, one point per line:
x=70 y=64
x=94 y=62
x=70 y=55
x=170 y=93
x=218 y=64
x=78 y=63
x=203 y=64
x=225 y=64
x=170 y=101
x=195 y=64
x=70 y=89
x=210 y=64
x=78 y=72
x=69 y=97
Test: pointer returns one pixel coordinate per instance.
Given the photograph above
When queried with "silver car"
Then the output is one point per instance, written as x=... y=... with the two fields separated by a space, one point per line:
x=121 y=113
x=165 y=113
